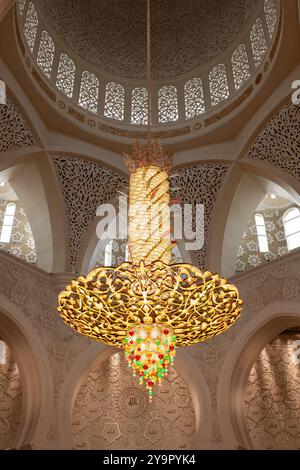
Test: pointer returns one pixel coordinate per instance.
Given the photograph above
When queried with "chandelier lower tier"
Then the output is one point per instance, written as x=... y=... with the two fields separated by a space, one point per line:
x=149 y=306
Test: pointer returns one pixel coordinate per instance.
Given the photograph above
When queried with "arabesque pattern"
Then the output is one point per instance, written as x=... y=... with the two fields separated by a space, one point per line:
x=195 y=305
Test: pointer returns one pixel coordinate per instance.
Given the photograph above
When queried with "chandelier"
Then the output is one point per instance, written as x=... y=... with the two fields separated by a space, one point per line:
x=148 y=306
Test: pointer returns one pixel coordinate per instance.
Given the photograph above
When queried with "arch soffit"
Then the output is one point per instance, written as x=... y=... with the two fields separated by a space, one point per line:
x=266 y=325
x=34 y=368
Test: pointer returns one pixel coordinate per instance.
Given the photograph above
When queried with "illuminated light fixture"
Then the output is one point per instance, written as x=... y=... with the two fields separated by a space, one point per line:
x=148 y=306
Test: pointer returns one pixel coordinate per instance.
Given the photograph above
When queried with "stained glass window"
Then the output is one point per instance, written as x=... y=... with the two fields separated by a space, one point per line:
x=30 y=26
x=240 y=66
x=89 y=89
x=218 y=84
x=65 y=75
x=46 y=54
x=139 y=106
x=167 y=104
x=194 y=98
x=258 y=42
x=271 y=15
x=114 y=101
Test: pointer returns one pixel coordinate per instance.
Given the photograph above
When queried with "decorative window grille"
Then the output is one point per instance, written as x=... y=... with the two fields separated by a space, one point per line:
x=271 y=15
x=21 y=6
x=139 y=106
x=89 y=89
x=194 y=98
x=258 y=42
x=31 y=25
x=240 y=66
x=46 y=54
x=218 y=84
x=65 y=75
x=114 y=101
x=167 y=104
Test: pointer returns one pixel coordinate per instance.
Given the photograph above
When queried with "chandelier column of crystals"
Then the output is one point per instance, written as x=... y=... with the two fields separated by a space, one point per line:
x=148 y=306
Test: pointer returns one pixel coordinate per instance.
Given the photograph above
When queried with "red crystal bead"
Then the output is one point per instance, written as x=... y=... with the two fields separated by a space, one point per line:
x=145 y=367
x=165 y=331
x=131 y=342
x=171 y=347
x=131 y=332
x=138 y=357
x=161 y=356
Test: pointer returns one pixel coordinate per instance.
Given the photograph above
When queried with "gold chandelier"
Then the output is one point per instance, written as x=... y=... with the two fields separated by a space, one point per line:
x=149 y=306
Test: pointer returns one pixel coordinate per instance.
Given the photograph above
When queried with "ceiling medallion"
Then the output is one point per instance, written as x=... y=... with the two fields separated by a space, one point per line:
x=149 y=306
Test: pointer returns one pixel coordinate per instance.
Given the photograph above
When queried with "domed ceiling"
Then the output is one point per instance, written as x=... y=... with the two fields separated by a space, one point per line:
x=111 y=35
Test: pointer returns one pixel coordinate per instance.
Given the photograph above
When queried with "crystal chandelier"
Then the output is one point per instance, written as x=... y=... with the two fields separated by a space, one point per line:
x=149 y=306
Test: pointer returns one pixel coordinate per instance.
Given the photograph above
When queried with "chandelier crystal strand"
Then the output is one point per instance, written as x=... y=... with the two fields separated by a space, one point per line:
x=149 y=307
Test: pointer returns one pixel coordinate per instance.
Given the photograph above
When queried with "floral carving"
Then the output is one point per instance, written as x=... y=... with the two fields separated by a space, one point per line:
x=278 y=143
x=14 y=131
x=111 y=411
x=200 y=184
x=248 y=255
x=85 y=185
x=272 y=396
x=10 y=398
x=195 y=33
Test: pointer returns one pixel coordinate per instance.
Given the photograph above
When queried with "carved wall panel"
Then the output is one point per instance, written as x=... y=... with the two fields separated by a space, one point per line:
x=248 y=255
x=278 y=143
x=10 y=398
x=85 y=185
x=14 y=131
x=199 y=184
x=272 y=397
x=112 y=411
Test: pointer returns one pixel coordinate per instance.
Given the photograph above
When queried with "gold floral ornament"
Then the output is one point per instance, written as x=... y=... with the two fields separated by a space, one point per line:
x=110 y=301
x=149 y=306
